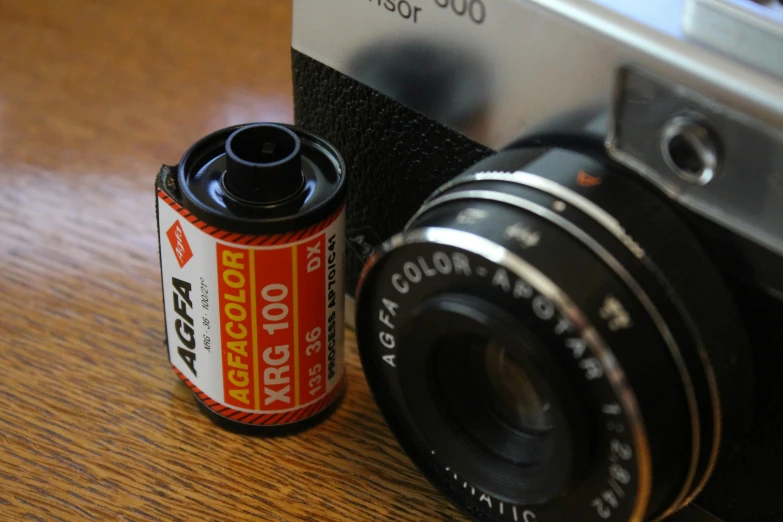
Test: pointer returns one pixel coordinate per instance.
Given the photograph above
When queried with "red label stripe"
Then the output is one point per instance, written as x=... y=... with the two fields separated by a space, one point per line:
x=250 y=239
x=263 y=419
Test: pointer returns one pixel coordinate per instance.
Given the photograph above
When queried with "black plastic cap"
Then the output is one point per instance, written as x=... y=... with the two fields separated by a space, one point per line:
x=263 y=164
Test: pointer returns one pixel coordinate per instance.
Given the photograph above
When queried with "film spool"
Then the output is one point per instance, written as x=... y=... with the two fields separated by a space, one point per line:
x=251 y=235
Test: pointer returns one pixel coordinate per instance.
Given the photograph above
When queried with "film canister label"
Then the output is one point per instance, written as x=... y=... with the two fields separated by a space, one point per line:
x=254 y=322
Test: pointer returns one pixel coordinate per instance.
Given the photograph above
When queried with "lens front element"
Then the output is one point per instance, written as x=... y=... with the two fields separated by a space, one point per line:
x=451 y=398
x=515 y=398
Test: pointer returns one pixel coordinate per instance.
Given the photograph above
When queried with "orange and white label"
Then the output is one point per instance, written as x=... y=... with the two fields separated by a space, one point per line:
x=254 y=323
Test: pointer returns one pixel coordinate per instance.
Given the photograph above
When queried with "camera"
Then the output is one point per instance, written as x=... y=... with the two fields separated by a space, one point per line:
x=565 y=223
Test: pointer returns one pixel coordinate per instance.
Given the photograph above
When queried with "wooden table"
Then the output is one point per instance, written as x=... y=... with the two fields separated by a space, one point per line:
x=94 y=96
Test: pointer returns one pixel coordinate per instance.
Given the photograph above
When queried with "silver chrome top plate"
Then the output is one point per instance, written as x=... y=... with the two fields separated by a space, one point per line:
x=533 y=59
x=747 y=30
x=496 y=69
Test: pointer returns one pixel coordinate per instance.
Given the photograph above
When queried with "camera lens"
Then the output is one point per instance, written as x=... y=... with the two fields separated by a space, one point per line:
x=548 y=341
x=484 y=385
x=504 y=387
x=504 y=405
x=515 y=398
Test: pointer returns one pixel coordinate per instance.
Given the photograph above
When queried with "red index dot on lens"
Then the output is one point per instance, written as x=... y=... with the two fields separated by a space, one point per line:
x=584 y=179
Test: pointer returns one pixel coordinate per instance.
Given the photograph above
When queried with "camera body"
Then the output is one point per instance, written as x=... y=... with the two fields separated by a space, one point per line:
x=684 y=98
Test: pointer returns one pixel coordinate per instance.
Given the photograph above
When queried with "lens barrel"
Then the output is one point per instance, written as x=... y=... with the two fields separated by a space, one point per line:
x=548 y=341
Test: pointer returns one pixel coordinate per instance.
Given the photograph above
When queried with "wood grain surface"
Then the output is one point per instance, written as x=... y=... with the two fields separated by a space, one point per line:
x=94 y=96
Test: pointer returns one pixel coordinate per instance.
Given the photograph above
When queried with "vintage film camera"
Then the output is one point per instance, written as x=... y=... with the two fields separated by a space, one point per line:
x=585 y=325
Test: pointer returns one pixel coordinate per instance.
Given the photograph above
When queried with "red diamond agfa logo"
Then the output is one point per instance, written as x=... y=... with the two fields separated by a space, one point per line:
x=179 y=243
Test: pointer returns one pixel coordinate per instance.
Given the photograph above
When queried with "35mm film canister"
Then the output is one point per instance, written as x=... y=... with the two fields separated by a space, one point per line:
x=251 y=235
